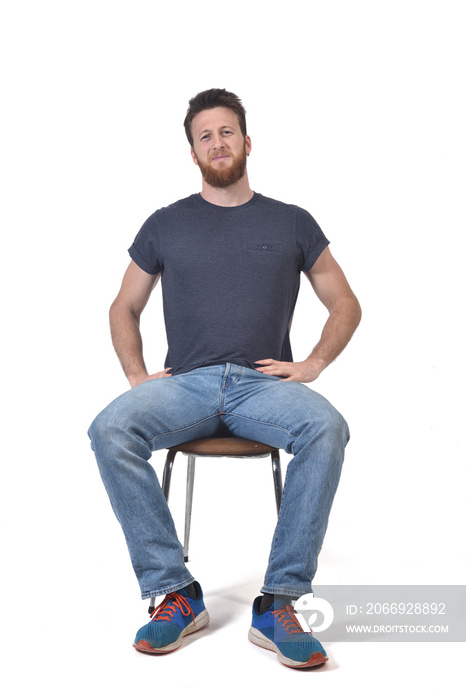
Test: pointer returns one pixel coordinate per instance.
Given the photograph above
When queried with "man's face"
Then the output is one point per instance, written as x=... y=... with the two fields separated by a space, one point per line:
x=220 y=149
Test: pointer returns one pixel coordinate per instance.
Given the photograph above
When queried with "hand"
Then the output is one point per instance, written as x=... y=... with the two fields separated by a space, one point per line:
x=306 y=371
x=141 y=378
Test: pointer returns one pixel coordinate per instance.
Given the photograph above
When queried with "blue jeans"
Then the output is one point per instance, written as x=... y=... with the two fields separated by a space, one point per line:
x=161 y=413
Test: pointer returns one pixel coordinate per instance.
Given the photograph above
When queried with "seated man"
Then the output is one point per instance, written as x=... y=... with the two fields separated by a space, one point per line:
x=230 y=261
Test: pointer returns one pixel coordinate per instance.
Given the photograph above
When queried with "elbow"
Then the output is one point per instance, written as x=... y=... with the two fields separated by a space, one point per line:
x=347 y=303
x=348 y=310
x=357 y=311
x=119 y=310
x=113 y=310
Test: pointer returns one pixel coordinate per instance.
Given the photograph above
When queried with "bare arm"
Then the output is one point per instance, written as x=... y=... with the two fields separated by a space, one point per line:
x=125 y=314
x=332 y=288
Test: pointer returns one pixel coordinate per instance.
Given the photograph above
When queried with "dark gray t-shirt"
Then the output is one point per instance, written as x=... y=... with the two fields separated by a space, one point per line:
x=230 y=277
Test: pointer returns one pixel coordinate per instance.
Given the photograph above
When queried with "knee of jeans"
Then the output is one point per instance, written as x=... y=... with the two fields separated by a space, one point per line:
x=113 y=432
x=102 y=429
x=331 y=423
x=95 y=429
x=339 y=427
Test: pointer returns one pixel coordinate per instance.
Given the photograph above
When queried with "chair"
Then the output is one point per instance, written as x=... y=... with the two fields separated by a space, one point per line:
x=217 y=447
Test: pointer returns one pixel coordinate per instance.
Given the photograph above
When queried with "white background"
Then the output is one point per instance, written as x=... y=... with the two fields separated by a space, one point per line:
x=356 y=112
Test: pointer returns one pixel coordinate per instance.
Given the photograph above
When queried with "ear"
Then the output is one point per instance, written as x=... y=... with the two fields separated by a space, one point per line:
x=248 y=143
x=193 y=156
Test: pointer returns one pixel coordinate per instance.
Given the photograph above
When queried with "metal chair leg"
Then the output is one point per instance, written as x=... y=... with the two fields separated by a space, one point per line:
x=189 y=503
x=166 y=479
x=167 y=473
x=277 y=477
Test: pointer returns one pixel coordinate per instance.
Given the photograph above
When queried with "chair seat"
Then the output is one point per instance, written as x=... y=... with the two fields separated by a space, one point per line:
x=225 y=447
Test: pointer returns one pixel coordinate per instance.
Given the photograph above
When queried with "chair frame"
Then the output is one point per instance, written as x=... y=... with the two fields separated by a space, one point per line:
x=191 y=450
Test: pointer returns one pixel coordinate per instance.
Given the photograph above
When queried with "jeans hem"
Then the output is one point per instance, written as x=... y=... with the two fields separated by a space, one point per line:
x=165 y=591
x=288 y=592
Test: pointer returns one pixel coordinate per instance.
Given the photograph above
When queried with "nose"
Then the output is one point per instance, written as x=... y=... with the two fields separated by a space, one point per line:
x=218 y=142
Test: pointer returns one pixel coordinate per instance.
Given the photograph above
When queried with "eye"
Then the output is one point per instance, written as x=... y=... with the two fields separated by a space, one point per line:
x=206 y=136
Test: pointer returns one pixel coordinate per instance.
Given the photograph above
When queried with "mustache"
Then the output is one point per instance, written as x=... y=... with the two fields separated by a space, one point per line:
x=219 y=153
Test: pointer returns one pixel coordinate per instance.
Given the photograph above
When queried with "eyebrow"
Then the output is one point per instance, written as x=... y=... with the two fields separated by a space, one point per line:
x=226 y=126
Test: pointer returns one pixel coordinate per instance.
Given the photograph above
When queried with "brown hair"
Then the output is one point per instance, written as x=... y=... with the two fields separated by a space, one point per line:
x=209 y=99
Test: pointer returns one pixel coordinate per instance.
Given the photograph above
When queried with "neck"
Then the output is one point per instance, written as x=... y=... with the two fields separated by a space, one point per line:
x=232 y=196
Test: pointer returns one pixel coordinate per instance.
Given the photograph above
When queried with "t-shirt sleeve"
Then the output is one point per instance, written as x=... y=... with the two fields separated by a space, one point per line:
x=145 y=248
x=310 y=239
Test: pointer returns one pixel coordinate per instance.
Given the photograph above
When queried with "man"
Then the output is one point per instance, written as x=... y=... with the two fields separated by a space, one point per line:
x=230 y=262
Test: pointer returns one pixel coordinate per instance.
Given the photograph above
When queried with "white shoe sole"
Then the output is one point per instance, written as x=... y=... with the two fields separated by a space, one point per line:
x=197 y=624
x=256 y=637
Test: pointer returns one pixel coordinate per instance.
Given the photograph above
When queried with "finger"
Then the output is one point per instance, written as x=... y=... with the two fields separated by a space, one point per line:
x=267 y=369
x=275 y=371
x=268 y=364
x=160 y=375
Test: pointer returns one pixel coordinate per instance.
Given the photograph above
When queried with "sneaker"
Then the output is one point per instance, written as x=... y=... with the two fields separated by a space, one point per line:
x=176 y=616
x=278 y=629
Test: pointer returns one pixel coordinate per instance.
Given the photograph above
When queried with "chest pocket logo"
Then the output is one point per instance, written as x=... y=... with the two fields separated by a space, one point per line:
x=265 y=247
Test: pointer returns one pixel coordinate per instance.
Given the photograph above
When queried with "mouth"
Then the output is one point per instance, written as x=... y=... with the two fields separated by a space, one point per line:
x=220 y=157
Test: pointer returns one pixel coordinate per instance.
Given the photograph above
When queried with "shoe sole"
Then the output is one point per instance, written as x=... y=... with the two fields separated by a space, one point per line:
x=261 y=640
x=197 y=624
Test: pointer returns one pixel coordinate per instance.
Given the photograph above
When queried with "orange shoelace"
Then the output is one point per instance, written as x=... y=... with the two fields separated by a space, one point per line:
x=286 y=616
x=169 y=605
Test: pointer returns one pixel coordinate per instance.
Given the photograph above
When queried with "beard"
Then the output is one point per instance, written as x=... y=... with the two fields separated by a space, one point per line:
x=224 y=177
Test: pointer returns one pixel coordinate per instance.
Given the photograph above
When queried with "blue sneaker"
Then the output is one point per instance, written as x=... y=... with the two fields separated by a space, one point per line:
x=176 y=616
x=278 y=629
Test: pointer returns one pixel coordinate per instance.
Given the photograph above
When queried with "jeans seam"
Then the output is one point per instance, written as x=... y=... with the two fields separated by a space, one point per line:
x=254 y=420
x=275 y=534
x=180 y=430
